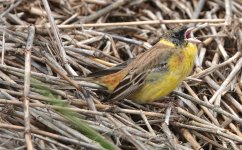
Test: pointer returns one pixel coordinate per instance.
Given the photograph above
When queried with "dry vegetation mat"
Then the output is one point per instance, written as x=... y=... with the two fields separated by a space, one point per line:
x=48 y=47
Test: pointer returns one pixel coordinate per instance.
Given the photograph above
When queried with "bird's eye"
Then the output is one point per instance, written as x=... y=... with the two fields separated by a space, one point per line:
x=175 y=35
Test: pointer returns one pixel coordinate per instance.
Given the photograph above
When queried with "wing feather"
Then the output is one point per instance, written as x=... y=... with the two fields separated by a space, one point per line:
x=138 y=70
x=127 y=87
x=110 y=70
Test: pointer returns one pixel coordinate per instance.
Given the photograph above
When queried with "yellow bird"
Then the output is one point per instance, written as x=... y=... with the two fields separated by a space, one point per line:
x=154 y=73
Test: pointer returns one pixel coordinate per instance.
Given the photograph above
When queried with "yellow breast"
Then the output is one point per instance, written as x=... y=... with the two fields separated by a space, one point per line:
x=180 y=65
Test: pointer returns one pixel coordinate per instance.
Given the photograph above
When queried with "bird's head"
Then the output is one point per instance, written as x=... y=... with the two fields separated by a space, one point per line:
x=181 y=36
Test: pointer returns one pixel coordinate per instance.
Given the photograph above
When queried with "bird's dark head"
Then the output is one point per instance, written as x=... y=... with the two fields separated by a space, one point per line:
x=181 y=36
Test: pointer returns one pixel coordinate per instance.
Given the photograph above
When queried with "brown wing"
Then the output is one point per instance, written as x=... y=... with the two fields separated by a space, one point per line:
x=138 y=70
x=110 y=70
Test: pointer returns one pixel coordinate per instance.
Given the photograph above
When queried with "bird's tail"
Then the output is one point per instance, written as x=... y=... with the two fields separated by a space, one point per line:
x=90 y=82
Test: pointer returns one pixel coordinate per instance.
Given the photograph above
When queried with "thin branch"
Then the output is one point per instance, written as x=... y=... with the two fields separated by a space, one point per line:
x=135 y=23
x=29 y=44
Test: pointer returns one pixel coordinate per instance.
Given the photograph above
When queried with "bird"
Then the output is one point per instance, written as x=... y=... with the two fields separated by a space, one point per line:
x=154 y=73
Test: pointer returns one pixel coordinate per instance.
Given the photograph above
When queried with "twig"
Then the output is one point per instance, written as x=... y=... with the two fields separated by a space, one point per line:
x=52 y=141
x=170 y=136
x=103 y=11
x=147 y=123
x=131 y=138
x=208 y=140
x=188 y=136
x=216 y=109
x=52 y=135
x=228 y=11
x=198 y=9
x=29 y=44
x=135 y=112
x=10 y=8
x=228 y=79
x=56 y=33
x=130 y=23
x=214 y=67
x=3 y=47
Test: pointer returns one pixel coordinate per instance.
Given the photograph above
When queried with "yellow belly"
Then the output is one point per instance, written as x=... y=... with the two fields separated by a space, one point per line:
x=179 y=67
x=155 y=90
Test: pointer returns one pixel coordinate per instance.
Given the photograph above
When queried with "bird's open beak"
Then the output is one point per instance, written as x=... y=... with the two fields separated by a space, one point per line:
x=191 y=38
x=194 y=40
